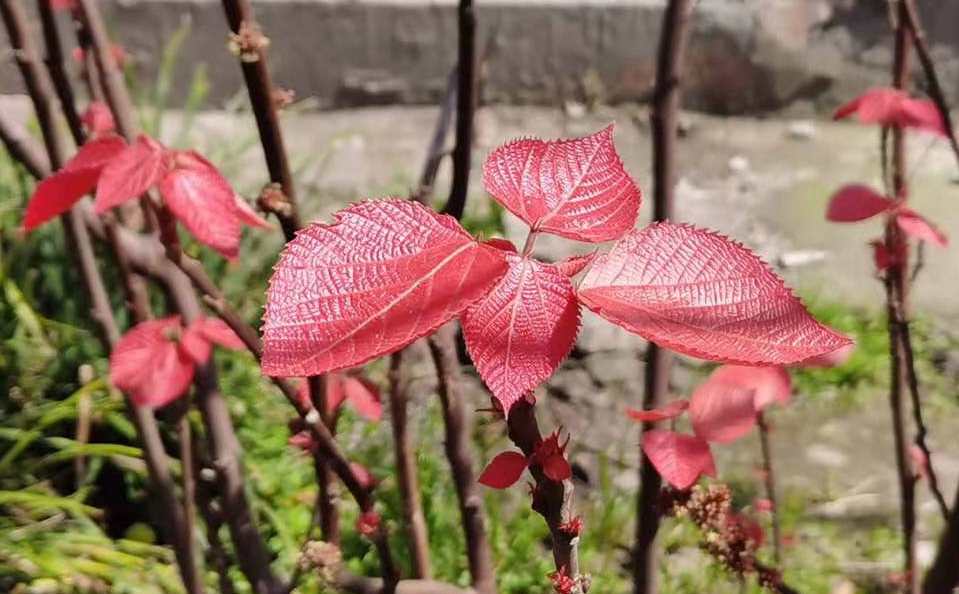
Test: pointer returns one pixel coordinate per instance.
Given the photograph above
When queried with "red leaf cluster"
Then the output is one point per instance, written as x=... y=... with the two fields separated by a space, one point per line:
x=857 y=202
x=191 y=187
x=506 y=468
x=154 y=362
x=892 y=107
x=388 y=272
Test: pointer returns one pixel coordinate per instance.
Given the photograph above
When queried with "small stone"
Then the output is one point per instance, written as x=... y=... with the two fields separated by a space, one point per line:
x=802 y=129
x=797 y=258
x=574 y=110
x=738 y=164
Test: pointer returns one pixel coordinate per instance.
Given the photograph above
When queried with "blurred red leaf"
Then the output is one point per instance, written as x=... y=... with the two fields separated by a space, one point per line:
x=680 y=459
x=504 y=470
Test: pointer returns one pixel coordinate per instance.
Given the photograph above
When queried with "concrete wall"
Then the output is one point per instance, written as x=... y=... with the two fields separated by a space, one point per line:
x=746 y=56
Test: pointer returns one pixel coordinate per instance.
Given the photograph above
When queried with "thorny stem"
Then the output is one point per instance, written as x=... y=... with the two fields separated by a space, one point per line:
x=465 y=107
x=912 y=379
x=458 y=451
x=769 y=479
x=664 y=116
x=259 y=84
x=553 y=499
x=407 y=479
x=895 y=286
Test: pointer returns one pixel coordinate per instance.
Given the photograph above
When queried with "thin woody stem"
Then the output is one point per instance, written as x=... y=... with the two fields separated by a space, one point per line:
x=259 y=84
x=769 y=480
x=664 y=118
x=896 y=292
x=465 y=108
x=407 y=480
x=553 y=499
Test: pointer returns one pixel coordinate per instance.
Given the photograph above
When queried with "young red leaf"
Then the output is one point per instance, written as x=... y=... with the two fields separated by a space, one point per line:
x=769 y=384
x=204 y=202
x=703 y=295
x=670 y=410
x=574 y=264
x=523 y=329
x=61 y=190
x=680 y=459
x=384 y=274
x=130 y=173
x=914 y=225
x=881 y=255
x=98 y=119
x=149 y=365
x=216 y=331
x=504 y=470
x=891 y=107
x=574 y=188
x=335 y=394
x=364 y=396
x=364 y=476
x=247 y=215
x=856 y=203
x=195 y=345
x=302 y=441
x=920 y=461
x=833 y=359
x=722 y=412
x=501 y=244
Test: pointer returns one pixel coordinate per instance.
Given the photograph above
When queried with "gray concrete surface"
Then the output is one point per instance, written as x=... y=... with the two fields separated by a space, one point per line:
x=746 y=56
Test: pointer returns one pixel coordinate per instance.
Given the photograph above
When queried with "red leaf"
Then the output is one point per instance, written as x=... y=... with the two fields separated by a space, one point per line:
x=523 y=329
x=574 y=264
x=195 y=345
x=881 y=255
x=363 y=475
x=216 y=331
x=913 y=224
x=769 y=384
x=204 y=202
x=679 y=458
x=501 y=244
x=98 y=119
x=504 y=470
x=148 y=364
x=722 y=412
x=61 y=190
x=833 y=359
x=302 y=440
x=364 y=396
x=130 y=173
x=919 y=461
x=703 y=295
x=574 y=188
x=335 y=394
x=856 y=203
x=557 y=468
x=247 y=215
x=668 y=411
x=892 y=107
x=384 y=274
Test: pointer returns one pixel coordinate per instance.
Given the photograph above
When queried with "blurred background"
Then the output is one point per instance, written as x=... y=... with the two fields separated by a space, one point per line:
x=758 y=158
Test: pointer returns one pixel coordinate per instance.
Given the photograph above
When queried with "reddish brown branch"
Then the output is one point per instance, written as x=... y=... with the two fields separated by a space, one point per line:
x=459 y=453
x=329 y=518
x=465 y=108
x=896 y=292
x=406 y=478
x=251 y=44
x=54 y=62
x=552 y=500
x=437 y=148
x=664 y=116
x=769 y=479
x=918 y=35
